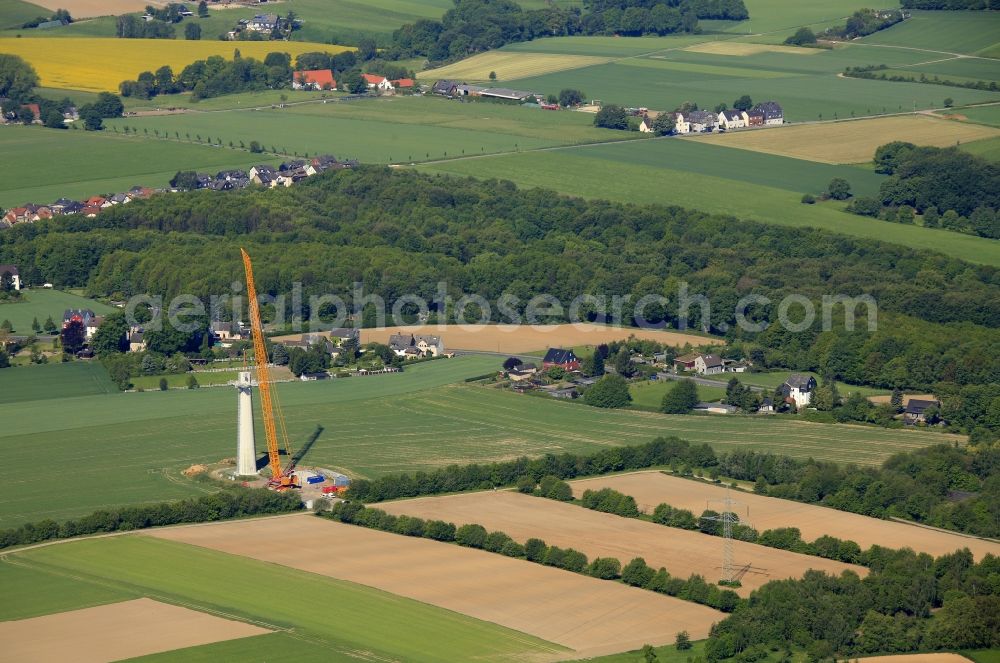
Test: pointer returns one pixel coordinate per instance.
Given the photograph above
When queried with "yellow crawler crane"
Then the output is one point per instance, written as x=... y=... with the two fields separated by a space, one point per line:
x=281 y=479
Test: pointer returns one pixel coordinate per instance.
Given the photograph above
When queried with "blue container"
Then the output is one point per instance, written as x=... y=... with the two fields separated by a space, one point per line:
x=315 y=480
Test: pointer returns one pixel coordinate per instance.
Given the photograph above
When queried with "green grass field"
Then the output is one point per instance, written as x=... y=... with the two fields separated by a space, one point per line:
x=78 y=164
x=683 y=172
x=665 y=654
x=41 y=303
x=775 y=379
x=130 y=448
x=968 y=32
x=648 y=395
x=336 y=619
x=987 y=149
x=989 y=115
x=387 y=130
x=14 y=13
x=179 y=381
x=54 y=381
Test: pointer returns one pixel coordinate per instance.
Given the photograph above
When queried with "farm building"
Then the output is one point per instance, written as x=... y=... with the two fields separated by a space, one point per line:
x=314 y=79
x=376 y=82
x=565 y=359
x=445 y=87
x=508 y=94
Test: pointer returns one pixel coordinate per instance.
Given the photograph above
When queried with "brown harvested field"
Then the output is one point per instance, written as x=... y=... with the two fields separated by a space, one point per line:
x=885 y=398
x=87 y=8
x=652 y=488
x=528 y=338
x=590 y=616
x=605 y=535
x=115 y=632
x=852 y=141
x=917 y=658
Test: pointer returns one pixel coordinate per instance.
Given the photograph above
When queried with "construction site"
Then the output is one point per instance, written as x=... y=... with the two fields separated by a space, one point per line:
x=279 y=469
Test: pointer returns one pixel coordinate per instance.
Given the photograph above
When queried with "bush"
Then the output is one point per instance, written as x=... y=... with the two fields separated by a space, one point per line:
x=534 y=550
x=574 y=560
x=555 y=489
x=526 y=484
x=495 y=541
x=637 y=573
x=472 y=536
x=605 y=568
x=808 y=199
x=439 y=530
x=512 y=549
x=610 y=391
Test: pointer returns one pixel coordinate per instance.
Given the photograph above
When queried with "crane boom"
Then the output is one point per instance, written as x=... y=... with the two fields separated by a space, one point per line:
x=263 y=376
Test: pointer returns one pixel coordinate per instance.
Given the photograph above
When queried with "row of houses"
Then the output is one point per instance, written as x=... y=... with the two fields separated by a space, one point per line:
x=708 y=364
x=286 y=175
x=323 y=79
x=70 y=115
x=765 y=114
x=449 y=88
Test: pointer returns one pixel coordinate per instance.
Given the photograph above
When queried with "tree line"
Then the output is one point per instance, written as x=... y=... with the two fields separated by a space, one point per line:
x=402 y=232
x=474 y=26
x=636 y=573
x=223 y=505
x=951 y=5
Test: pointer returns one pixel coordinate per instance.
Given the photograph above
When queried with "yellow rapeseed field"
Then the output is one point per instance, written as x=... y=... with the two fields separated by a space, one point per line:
x=509 y=65
x=99 y=64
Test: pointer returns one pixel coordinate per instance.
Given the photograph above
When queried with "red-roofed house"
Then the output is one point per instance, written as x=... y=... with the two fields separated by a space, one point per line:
x=376 y=81
x=97 y=201
x=314 y=79
x=403 y=82
x=90 y=211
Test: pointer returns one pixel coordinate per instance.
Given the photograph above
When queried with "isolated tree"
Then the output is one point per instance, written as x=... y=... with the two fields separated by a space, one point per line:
x=192 y=382
x=50 y=326
x=202 y=9
x=91 y=117
x=163 y=384
x=896 y=400
x=649 y=654
x=73 y=337
x=6 y=326
x=185 y=180
x=802 y=37
x=192 y=32
x=279 y=355
x=610 y=391
x=839 y=188
x=255 y=147
x=623 y=363
x=949 y=102
x=493 y=75
x=35 y=327
x=683 y=641
x=808 y=199
x=743 y=103
x=680 y=399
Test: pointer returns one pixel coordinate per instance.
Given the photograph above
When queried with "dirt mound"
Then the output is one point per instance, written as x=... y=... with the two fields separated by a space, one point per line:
x=194 y=470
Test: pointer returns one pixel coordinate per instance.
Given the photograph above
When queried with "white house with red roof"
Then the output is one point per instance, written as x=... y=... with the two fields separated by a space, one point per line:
x=374 y=81
x=314 y=79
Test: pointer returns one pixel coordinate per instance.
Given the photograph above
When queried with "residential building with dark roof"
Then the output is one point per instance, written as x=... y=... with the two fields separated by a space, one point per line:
x=565 y=359
x=916 y=410
x=798 y=389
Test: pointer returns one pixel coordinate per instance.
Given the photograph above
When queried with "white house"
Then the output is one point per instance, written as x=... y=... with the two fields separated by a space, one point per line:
x=701 y=121
x=412 y=346
x=731 y=119
x=798 y=389
x=381 y=83
x=708 y=364
x=646 y=126
x=14 y=274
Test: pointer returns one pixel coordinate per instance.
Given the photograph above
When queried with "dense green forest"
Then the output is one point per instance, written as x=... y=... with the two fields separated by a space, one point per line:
x=401 y=233
x=473 y=26
x=951 y=189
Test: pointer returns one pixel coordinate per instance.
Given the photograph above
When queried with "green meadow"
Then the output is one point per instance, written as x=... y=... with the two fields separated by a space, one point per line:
x=648 y=395
x=807 y=86
x=333 y=618
x=40 y=303
x=418 y=420
x=384 y=130
x=967 y=32
x=682 y=171
x=48 y=381
x=78 y=164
